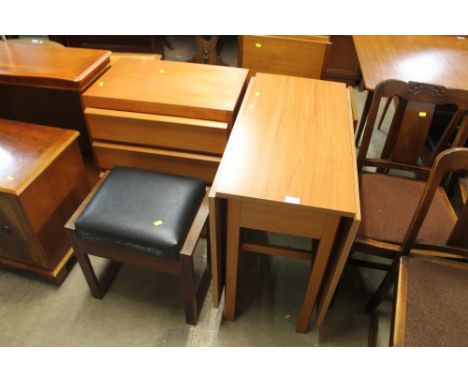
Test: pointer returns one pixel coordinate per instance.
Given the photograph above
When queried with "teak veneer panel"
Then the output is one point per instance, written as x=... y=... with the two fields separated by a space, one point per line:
x=300 y=56
x=50 y=66
x=26 y=150
x=292 y=138
x=157 y=130
x=201 y=166
x=439 y=60
x=169 y=88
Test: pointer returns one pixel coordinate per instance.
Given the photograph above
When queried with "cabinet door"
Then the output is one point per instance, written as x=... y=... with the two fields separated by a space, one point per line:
x=341 y=62
x=16 y=240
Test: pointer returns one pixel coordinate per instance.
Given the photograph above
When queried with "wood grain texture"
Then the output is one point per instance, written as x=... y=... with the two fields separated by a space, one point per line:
x=300 y=56
x=48 y=181
x=169 y=88
x=437 y=60
x=201 y=166
x=187 y=134
x=26 y=150
x=398 y=335
x=292 y=137
x=51 y=66
x=341 y=63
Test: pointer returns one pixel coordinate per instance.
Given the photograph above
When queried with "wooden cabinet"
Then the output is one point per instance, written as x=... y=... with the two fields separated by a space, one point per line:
x=300 y=56
x=164 y=116
x=43 y=84
x=42 y=182
x=341 y=62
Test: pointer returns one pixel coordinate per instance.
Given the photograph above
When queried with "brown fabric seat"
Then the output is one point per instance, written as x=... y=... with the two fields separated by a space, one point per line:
x=388 y=204
x=436 y=302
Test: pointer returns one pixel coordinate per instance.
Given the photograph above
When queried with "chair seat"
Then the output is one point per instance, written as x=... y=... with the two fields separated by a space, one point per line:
x=142 y=210
x=388 y=204
x=436 y=311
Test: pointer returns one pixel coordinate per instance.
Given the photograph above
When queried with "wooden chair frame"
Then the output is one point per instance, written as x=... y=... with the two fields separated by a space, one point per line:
x=412 y=95
x=193 y=296
x=449 y=161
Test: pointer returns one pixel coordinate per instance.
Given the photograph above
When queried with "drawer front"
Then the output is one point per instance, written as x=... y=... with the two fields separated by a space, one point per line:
x=301 y=56
x=184 y=134
x=17 y=242
x=109 y=155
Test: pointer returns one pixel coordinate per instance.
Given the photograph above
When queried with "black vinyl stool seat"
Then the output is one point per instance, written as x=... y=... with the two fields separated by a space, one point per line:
x=142 y=218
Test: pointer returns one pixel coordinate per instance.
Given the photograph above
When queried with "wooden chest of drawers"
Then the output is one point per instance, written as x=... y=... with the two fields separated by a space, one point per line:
x=165 y=116
x=42 y=182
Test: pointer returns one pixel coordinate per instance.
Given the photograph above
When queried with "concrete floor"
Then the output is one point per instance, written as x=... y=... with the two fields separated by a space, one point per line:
x=143 y=308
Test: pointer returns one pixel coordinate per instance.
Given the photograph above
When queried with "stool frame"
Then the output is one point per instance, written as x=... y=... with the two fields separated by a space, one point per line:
x=193 y=296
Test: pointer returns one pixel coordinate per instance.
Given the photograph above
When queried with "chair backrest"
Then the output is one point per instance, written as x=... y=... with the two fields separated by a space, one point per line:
x=449 y=161
x=410 y=124
x=300 y=56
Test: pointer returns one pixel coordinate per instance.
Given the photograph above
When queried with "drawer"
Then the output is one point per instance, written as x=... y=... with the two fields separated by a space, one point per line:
x=185 y=134
x=201 y=166
x=300 y=56
x=17 y=242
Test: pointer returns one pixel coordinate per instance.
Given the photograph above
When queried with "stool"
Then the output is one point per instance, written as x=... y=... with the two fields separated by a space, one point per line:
x=145 y=219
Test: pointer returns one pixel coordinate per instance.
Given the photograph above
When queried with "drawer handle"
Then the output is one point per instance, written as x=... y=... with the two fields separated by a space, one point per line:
x=5 y=228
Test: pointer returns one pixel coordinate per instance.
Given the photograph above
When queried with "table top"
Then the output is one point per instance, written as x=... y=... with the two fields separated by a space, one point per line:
x=292 y=142
x=50 y=66
x=439 y=60
x=170 y=88
x=26 y=150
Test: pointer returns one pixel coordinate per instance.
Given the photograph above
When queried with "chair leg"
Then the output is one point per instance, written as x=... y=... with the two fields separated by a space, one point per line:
x=373 y=328
x=381 y=291
x=384 y=112
x=365 y=113
x=188 y=286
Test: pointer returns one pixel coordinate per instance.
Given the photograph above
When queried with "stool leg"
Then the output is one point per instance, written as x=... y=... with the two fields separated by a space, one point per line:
x=188 y=286
x=89 y=274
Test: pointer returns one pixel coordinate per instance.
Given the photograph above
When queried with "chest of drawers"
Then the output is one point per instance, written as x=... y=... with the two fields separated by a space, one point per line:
x=164 y=116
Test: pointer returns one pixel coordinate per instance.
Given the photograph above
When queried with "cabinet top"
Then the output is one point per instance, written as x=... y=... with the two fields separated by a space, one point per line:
x=26 y=150
x=170 y=88
x=50 y=66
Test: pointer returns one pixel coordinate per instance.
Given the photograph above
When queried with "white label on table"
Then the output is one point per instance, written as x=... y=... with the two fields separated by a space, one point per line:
x=291 y=199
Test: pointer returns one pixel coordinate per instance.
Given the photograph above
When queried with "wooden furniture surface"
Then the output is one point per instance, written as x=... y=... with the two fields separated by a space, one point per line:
x=164 y=116
x=50 y=66
x=42 y=181
x=289 y=167
x=439 y=60
x=341 y=63
x=43 y=84
x=301 y=56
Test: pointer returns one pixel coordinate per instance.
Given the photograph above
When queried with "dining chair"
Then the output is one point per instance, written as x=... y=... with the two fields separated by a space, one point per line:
x=388 y=200
x=145 y=219
x=431 y=304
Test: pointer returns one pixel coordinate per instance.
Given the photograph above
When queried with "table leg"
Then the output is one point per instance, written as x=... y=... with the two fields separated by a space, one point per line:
x=232 y=258
x=365 y=113
x=318 y=270
x=345 y=240
x=215 y=248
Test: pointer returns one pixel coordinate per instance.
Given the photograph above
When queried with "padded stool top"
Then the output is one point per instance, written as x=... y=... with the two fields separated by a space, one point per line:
x=142 y=210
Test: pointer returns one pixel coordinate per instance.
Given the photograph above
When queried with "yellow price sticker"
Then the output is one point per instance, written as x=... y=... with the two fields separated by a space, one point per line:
x=258 y=44
x=422 y=114
x=157 y=222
